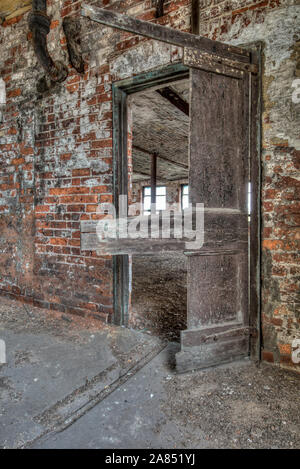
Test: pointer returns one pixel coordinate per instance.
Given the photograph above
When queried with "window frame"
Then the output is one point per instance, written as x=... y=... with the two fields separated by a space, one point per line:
x=148 y=211
x=182 y=195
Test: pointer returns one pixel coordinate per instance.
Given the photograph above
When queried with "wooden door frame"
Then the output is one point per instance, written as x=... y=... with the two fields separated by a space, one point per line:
x=215 y=57
x=254 y=249
x=120 y=91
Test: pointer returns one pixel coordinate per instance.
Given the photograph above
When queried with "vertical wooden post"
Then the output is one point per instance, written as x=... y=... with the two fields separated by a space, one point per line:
x=153 y=181
x=195 y=26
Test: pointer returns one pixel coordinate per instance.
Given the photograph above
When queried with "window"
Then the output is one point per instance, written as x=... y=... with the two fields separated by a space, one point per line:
x=161 y=196
x=249 y=198
x=184 y=196
x=2 y=98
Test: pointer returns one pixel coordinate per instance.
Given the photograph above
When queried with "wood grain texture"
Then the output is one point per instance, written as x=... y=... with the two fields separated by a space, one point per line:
x=219 y=175
x=11 y=8
x=162 y=33
x=213 y=63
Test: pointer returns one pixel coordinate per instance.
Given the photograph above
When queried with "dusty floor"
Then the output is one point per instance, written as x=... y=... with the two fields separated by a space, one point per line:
x=159 y=295
x=234 y=406
x=69 y=386
x=58 y=366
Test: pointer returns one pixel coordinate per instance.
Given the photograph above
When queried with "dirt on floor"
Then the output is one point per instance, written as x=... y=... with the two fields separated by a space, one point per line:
x=68 y=383
x=57 y=366
x=159 y=295
x=22 y=317
x=237 y=406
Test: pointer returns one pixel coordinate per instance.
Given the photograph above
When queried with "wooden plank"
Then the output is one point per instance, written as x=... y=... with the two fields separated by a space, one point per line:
x=171 y=73
x=219 y=224
x=215 y=353
x=194 y=337
x=120 y=186
x=90 y=242
x=174 y=98
x=255 y=228
x=198 y=59
x=11 y=8
x=195 y=17
x=218 y=146
x=220 y=237
x=19 y=12
x=163 y=33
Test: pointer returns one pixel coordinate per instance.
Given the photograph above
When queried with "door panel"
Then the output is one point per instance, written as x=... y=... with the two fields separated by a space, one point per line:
x=218 y=319
x=217 y=290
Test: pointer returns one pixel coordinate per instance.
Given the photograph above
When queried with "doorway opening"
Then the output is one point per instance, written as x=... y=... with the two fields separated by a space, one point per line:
x=147 y=161
x=158 y=172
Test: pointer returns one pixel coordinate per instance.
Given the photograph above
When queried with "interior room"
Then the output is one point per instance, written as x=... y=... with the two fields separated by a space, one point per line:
x=160 y=125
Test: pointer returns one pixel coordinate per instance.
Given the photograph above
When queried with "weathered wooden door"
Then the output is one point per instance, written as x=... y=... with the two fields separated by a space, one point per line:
x=220 y=158
x=223 y=276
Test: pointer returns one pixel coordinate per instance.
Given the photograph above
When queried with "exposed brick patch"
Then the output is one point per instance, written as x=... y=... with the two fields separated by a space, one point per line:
x=268 y=356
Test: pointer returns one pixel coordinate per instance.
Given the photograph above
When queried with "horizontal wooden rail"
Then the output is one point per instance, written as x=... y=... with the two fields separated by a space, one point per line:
x=163 y=33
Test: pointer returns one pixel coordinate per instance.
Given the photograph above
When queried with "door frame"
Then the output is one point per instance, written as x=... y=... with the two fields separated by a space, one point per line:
x=215 y=57
x=121 y=269
x=120 y=91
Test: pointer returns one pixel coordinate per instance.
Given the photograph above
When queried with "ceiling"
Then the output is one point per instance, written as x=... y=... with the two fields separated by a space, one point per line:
x=11 y=8
x=160 y=127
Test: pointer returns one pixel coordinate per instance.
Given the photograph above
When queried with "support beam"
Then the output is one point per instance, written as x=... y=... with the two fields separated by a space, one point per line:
x=175 y=99
x=159 y=12
x=195 y=17
x=153 y=182
x=163 y=33
x=176 y=163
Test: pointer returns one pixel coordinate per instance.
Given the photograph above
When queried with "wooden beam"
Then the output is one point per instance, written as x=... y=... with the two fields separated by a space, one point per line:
x=153 y=181
x=159 y=8
x=176 y=163
x=11 y=8
x=195 y=17
x=174 y=99
x=163 y=33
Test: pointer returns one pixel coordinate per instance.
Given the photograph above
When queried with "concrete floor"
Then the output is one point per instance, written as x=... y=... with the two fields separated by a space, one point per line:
x=63 y=388
x=58 y=367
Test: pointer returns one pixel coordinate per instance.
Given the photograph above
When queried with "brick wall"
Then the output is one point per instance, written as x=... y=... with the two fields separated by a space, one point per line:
x=276 y=24
x=56 y=154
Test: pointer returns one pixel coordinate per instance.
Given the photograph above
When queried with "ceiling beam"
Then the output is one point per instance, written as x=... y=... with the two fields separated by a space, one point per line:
x=195 y=18
x=144 y=177
x=175 y=99
x=147 y=152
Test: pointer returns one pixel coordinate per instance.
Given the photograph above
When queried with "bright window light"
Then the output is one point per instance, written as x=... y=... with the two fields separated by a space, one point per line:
x=184 y=196
x=161 y=196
